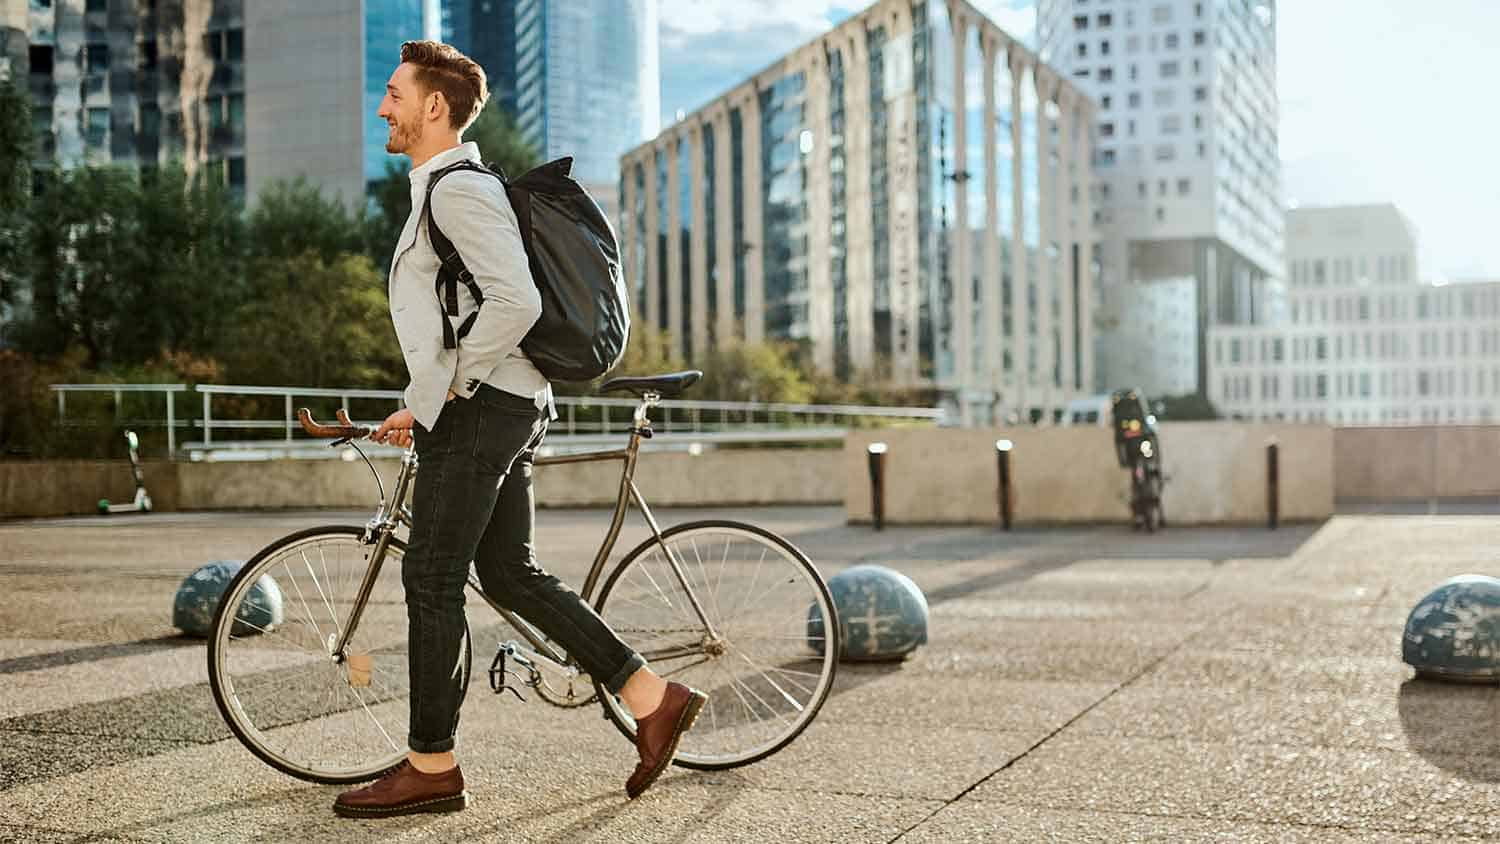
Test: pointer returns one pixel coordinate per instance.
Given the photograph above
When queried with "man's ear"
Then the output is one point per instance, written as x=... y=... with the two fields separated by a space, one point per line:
x=437 y=106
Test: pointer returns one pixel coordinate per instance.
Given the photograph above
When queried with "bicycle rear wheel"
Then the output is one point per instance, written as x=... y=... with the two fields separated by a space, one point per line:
x=770 y=661
x=287 y=697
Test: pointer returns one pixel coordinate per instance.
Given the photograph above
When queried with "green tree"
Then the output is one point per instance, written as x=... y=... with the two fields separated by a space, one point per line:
x=315 y=322
x=766 y=372
x=501 y=142
x=15 y=184
x=294 y=217
x=131 y=266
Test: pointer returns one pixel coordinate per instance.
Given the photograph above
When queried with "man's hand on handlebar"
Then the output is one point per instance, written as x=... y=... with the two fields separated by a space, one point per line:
x=396 y=429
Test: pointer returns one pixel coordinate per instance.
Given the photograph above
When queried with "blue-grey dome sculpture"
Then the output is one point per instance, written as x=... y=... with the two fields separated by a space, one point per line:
x=1454 y=632
x=882 y=615
x=199 y=595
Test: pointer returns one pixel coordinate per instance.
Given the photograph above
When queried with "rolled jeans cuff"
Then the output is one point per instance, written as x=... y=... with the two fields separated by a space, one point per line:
x=439 y=746
x=617 y=682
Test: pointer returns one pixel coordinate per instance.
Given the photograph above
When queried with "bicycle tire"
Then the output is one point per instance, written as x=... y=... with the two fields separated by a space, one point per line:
x=232 y=709
x=823 y=598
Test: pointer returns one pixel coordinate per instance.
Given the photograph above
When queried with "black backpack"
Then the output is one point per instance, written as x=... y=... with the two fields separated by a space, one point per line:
x=575 y=262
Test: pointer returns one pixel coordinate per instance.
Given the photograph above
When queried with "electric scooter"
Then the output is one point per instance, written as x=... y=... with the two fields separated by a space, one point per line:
x=142 y=502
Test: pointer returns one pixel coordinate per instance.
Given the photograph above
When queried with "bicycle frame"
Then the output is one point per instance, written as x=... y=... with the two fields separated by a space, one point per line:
x=393 y=513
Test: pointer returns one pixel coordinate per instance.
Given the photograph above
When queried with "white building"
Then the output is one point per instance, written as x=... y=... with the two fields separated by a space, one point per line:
x=1365 y=343
x=1188 y=176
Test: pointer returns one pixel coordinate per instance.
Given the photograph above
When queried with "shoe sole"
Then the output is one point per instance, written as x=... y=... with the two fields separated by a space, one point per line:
x=684 y=723
x=456 y=803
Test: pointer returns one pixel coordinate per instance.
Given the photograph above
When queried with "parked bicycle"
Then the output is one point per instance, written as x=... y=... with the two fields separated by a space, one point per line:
x=1137 y=449
x=725 y=606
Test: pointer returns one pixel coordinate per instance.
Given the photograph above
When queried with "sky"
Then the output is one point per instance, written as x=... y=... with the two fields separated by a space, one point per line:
x=1381 y=100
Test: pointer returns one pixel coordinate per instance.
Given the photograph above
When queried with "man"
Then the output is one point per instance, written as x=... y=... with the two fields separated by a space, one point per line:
x=476 y=414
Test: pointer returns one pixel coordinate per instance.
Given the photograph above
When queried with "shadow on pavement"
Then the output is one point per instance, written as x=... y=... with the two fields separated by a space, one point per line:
x=1452 y=726
x=92 y=653
x=1484 y=505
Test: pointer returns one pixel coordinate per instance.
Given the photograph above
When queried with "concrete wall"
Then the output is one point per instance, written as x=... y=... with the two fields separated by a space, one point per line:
x=74 y=487
x=1216 y=474
x=720 y=477
x=1428 y=462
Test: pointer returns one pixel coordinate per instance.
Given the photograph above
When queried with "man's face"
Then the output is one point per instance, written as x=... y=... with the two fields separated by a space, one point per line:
x=403 y=108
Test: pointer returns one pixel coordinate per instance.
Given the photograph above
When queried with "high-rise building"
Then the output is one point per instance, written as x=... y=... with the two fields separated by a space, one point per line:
x=905 y=197
x=1187 y=169
x=588 y=83
x=485 y=31
x=138 y=84
x=1366 y=342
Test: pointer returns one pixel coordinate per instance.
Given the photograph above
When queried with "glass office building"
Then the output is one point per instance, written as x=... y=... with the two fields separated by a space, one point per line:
x=905 y=198
x=576 y=60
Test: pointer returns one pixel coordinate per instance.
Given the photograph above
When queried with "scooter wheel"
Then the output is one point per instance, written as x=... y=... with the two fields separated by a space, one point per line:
x=103 y=506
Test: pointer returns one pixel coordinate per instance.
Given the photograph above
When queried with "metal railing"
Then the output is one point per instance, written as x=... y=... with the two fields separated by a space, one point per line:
x=118 y=390
x=583 y=421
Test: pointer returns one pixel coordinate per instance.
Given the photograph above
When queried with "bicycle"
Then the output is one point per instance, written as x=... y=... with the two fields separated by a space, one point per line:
x=320 y=693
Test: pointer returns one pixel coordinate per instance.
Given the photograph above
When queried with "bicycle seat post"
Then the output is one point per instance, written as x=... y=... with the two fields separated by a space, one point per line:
x=642 y=424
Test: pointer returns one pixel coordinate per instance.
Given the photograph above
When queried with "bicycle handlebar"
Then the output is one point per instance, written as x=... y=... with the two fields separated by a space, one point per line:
x=346 y=430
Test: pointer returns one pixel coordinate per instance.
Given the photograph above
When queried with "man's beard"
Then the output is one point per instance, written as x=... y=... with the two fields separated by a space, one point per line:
x=403 y=137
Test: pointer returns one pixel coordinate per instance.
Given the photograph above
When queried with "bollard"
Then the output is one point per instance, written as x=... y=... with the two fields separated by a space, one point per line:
x=877 y=484
x=1002 y=460
x=1273 y=484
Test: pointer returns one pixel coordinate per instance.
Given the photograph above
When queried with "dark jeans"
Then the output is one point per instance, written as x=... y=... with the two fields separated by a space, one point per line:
x=473 y=502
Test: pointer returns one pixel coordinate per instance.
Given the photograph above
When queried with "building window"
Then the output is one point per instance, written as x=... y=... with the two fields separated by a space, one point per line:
x=1104 y=102
x=1107 y=130
x=1200 y=93
x=1278 y=349
x=1169 y=70
x=1134 y=73
x=1083 y=50
x=97 y=57
x=1140 y=189
x=1134 y=99
x=1172 y=41
x=1198 y=122
x=1106 y=74
x=1105 y=20
x=237 y=172
x=1106 y=158
x=40 y=56
x=1103 y=48
x=148 y=55
x=1080 y=22
x=234 y=50
x=1165 y=152
x=96 y=6
x=1184 y=186
x=1162 y=97
x=1161 y=14
x=98 y=126
x=1199 y=38
x=1133 y=44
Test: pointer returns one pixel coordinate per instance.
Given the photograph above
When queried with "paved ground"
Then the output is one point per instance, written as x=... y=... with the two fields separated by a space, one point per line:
x=1080 y=685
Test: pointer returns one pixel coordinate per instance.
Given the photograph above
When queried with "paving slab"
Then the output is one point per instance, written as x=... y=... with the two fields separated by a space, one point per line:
x=1375 y=790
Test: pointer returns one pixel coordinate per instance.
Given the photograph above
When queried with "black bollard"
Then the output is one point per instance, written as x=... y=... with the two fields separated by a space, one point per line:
x=1002 y=459
x=1273 y=484
x=877 y=484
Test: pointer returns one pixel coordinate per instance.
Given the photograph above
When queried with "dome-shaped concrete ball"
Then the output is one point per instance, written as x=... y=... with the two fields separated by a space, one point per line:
x=1454 y=632
x=199 y=595
x=882 y=614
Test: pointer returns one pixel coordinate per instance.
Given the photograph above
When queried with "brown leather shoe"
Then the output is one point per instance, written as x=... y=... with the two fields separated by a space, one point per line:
x=404 y=790
x=657 y=735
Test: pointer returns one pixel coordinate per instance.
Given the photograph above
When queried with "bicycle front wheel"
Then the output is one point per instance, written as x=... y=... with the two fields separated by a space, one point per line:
x=302 y=709
x=767 y=656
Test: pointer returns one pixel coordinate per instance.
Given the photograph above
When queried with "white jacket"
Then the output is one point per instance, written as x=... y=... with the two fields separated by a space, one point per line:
x=474 y=212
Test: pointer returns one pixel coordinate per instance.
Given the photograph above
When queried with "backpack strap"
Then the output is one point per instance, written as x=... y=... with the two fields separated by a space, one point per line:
x=452 y=270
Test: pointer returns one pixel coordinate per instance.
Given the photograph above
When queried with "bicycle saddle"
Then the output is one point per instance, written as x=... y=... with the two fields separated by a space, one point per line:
x=668 y=386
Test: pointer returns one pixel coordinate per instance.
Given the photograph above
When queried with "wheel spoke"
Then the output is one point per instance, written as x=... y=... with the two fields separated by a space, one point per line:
x=289 y=701
x=764 y=682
